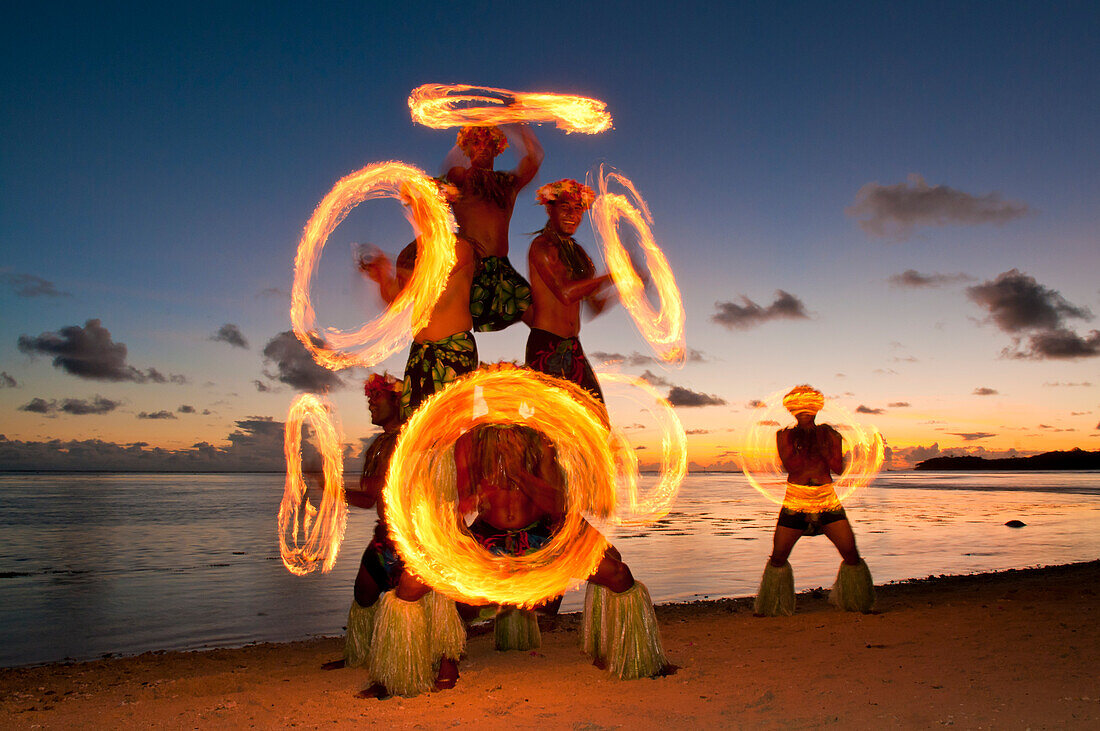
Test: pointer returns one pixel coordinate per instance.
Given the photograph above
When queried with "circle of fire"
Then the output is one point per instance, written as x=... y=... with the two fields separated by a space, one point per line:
x=863 y=454
x=440 y=106
x=663 y=330
x=421 y=498
x=633 y=509
x=432 y=221
x=322 y=529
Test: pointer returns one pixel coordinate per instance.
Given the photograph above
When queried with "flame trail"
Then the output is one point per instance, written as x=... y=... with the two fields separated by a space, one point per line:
x=455 y=105
x=431 y=219
x=632 y=509
x=863 y=455
x=322 y=529
x=421 y=497
x=663 y=330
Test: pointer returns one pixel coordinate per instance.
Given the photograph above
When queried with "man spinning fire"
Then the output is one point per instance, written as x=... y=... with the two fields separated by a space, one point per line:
x=562 y=277
x=811 y=453
x=499 y=296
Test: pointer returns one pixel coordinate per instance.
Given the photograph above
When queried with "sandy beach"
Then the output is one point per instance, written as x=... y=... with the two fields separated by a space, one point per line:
x=1008 y=650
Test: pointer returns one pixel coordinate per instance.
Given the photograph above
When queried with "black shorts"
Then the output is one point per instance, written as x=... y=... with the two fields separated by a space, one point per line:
x=810 y=524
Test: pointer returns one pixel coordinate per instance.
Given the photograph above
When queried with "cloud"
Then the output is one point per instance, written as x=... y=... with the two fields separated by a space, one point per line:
x=1068 y=384
x=89 y=352
x=895 y=211
x=275 y=292
x=908 y=457
x=162 y=414
x=263 y=387
x=769 y=422
x=29 y=285
x=294 y=365
x=984 y=391
x=636 y=359
x=74 y=406
x=1019 y=305
x=756 y=404
x=971 y=436
x=230 y=333
x=697 y=431
x=914 y=279
x=7 y=381
x=749 y=314
x=186 y=409
x=654 y=379
x=679 y=396
x=898 y=404
x=861 y=409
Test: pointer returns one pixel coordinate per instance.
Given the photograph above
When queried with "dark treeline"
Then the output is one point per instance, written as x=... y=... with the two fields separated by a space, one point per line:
x=1076 y=459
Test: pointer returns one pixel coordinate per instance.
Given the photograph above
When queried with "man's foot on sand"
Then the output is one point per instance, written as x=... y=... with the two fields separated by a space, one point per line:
x=375 y=691
x=334 y=664
x=447 y=677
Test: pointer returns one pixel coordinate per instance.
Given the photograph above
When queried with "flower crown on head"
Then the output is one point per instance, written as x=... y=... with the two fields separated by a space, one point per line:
x=803 y=399
x=470 y=138
x=566 y=189
x=449 y=190
x=379 y=383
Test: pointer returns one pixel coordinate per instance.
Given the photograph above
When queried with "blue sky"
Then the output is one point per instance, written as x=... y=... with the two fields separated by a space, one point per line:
x=158 y=165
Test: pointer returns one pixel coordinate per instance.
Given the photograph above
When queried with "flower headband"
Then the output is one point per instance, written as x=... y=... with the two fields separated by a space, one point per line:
x=566 y=189
x=803 y=400
x=470 y=138
x=379 y=384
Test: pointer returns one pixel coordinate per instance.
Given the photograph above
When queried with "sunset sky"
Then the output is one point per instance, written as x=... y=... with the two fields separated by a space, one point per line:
x=899 y=204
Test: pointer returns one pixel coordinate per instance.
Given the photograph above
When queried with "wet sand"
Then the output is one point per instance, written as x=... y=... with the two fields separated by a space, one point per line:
x=1012 y=650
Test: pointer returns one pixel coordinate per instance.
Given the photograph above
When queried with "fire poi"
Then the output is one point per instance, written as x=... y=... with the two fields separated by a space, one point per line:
x=455 y=105
x=430 y=216
x=310 y=537
x=618 y=202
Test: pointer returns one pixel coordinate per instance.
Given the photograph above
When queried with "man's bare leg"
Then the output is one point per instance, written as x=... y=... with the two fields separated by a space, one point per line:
x=840 y=533
x=783 y=543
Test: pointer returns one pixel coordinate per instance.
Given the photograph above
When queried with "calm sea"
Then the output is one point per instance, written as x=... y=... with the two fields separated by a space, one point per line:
x=124 y=563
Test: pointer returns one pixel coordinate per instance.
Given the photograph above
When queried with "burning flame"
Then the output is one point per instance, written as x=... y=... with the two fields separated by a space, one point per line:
x=633 y=509
x=322 y=529
x=665 y=329
x=432 y=221
x=863 y=456
x=421 y=497
x=456 y=105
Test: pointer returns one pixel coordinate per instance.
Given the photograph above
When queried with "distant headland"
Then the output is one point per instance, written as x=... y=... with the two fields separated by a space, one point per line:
x=1076 y=459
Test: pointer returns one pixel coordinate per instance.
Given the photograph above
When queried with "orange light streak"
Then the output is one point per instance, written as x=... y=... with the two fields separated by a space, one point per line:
x=632 y=509
x=440 y=106
x=864 y=451
x=309 y=538
x=664 y=330
x=432 y=221
x=421 y=497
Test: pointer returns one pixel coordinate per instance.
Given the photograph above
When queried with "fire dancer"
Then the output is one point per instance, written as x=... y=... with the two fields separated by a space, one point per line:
x=511 y=476
x=562 y=277
x=499 y=296
x=444 y=349
x=381 y=564
x=811 y=453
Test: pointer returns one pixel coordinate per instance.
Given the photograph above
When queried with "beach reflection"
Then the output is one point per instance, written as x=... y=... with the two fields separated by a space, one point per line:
x=123 y=563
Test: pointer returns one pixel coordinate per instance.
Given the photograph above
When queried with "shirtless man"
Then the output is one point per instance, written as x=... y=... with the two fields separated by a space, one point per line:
x=444 y=349
x=562 y=277
x=381 y=564
x=510 y=474
x=811 y=453
x=483 y=207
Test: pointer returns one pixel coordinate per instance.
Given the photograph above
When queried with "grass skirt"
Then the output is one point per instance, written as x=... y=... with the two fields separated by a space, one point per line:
x=776 y=594
x=357 y=640
x=854 y=590
x=516 y=629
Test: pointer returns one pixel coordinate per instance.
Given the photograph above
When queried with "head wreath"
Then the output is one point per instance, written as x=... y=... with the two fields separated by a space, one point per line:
x=566 y=189
x=803 y=399
x=378 y=384
x=470 y=138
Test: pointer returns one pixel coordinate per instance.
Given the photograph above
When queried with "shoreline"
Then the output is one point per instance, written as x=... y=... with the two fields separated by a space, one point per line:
x=1012 y=648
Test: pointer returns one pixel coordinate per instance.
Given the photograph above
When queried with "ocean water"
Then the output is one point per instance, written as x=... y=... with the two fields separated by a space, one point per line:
x=92 y=564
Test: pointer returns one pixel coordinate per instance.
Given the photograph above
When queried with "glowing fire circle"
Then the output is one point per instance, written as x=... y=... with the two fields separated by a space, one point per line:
x=322 y=529
x=431 y=218
x=440 y=106
x=664 y=329
x=421 y=498
x=633 y=508
x=863 y=454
